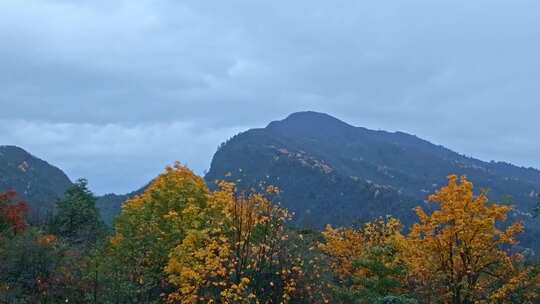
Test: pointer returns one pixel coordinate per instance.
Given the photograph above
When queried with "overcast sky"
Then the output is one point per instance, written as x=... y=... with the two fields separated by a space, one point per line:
x=115 y=90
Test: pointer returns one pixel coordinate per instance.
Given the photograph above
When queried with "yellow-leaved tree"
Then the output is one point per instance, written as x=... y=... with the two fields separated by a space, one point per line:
x=149 y=227
x=460 y=253
x=243 y=255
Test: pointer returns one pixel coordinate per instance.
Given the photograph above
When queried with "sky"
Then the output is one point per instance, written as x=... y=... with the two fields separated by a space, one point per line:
x=113 y=91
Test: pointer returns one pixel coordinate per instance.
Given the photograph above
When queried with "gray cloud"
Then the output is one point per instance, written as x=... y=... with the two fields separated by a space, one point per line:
x=115 y=156
x=98 y=86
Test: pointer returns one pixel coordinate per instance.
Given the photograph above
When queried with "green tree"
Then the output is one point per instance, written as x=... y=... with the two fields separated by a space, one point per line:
x=77 y=219
x=382 y=277
x=37 y=268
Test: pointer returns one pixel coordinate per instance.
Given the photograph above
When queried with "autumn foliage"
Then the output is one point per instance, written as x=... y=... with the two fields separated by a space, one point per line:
x=12 y=213
x=150 y=226
x=202 y=246
x=461 y=253
x=366 y=262
x=180 y=242
x=187 y=244
x=244 y=254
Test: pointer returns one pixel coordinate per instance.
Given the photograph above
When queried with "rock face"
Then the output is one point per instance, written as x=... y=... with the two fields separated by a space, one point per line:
x=333 y=173
x=34 y=180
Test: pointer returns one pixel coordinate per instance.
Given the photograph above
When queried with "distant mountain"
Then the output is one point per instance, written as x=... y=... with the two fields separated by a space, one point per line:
x=110 y=205
x=36 y=181
x=329 y=172
x=332 y=172
x=42 y=184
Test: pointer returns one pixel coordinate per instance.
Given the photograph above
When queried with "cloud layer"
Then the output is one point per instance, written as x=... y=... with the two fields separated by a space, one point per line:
x=113 y=91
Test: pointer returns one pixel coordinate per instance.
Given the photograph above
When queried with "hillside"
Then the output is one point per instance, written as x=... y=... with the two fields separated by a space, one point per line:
x=36 y=181
x=42 y=184
x=329 y=172
x=110 y=205
x=332 y=172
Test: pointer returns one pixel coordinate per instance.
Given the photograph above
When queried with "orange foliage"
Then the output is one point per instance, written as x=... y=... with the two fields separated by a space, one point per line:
x=241 y=255
x=12 y=214
x=457 y=254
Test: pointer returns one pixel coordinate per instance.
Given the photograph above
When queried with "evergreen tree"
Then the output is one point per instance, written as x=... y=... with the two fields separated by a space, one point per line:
x=77 y=219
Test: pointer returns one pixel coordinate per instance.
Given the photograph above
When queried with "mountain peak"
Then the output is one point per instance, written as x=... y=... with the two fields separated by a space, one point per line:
x=312 y=115
x=309 y=121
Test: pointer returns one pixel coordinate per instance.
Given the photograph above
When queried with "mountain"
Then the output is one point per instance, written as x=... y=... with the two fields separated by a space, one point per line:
x=42 y=184
x=333 y=173
x=329 y=172
x=36 y=181
x=110 y=205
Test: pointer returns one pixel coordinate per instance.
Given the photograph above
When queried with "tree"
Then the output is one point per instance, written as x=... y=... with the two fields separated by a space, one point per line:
x=77 y=219
x=79 y=231
x=367 y=262
x=149 y=227
x=13 y=214
x=243 y=254
x=536 y=209
x=32 y=264
x=457 y=254
x=38 y=268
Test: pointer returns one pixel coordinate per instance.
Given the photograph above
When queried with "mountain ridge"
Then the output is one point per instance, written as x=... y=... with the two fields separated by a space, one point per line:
x=42 y=184
x=331 y=172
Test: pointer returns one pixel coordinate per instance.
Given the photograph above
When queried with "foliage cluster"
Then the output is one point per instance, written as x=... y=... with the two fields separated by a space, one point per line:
x=179 y=242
